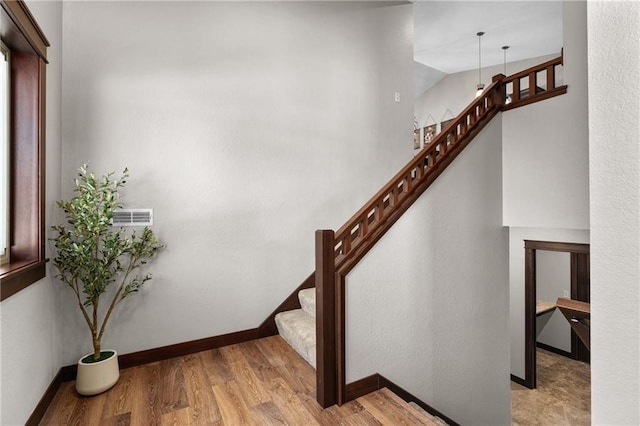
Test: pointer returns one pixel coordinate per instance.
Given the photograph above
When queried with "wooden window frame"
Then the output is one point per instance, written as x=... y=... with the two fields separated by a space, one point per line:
x=5 y=63
x=22 y=35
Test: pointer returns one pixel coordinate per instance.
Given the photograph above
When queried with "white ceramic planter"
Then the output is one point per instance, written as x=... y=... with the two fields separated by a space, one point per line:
x=97 y=377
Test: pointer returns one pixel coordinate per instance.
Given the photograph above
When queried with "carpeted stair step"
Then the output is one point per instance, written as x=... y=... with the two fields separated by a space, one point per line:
x=298 y=328
x=307 y=299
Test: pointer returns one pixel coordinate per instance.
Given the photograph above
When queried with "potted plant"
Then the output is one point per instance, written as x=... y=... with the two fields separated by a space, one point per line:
x=94 y=259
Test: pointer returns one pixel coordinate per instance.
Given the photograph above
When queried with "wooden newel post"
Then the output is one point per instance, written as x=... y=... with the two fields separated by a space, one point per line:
x=326 y=363
x=500 y=95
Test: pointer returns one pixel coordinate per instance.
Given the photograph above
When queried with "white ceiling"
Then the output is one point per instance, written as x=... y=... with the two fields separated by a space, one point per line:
x=445 y=39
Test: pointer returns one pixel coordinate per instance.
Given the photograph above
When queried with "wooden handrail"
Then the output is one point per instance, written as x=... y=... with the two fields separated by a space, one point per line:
x=352 y=239
x=535 y=93
x=337 y=253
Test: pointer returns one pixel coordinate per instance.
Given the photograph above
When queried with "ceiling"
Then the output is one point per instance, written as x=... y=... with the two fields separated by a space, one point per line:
x=445 y=40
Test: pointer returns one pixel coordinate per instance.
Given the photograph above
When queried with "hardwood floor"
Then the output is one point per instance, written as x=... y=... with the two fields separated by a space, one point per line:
x=261 y=382
x=563 y=395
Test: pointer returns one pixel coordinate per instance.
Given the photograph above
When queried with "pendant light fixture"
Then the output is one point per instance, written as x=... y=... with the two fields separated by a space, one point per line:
x=480 y=86
x=508 y=96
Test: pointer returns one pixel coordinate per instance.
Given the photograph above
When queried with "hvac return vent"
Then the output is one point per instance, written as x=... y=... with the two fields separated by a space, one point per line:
x=133 y=217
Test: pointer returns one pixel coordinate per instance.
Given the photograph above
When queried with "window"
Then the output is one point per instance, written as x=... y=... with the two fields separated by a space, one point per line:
x=4 y=153
x=27 y=51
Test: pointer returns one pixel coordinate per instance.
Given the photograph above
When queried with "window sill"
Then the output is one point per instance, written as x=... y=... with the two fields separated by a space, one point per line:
x=16 y=276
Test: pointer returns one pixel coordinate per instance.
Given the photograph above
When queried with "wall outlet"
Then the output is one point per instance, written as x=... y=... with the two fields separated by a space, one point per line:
x=566 y=294
x=397 y=97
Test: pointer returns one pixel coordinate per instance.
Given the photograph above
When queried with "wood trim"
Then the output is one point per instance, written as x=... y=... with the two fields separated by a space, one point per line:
x=518 y=380
x=326 y=364
x=557 y=246
x=579 y=278
x=408 y=397
x=366 y=385
x=38 y=412
x=403 y=190
x=362 y=387
x=27 y=148
x=135 y=359
x=580 y=290
x=539 y=67
x=20 y=16
x=578 y=314
x=555 y=350
x=417 y=163
x=530 y=318
x=547 y=94
x=341 y=298
x=349 y=262
x=268 y=326
x=180 y=349
x=21 y=277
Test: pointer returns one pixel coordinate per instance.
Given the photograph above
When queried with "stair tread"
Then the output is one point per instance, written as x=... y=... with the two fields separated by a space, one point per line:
x=307 y=299
x=298 y=328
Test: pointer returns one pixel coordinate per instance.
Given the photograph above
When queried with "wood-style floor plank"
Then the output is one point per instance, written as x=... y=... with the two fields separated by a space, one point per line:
x=253 y=389
x=262 y=382
x=145 y=400
x=117 y=400
x=233 y=408
x=202 y=400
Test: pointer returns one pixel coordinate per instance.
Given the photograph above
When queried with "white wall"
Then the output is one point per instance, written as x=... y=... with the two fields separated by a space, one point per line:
x=428 y=306
x=30 y=352
x=545 y=159
x=546 y=153
x=246 y=126
x=456 y=91
x=553 y=280
x=614 y=144
x=546 y=170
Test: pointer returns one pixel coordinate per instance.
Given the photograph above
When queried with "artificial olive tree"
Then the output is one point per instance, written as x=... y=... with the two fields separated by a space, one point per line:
x=93 y=257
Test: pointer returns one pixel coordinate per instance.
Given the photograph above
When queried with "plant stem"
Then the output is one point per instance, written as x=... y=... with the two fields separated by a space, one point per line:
x=116 y=298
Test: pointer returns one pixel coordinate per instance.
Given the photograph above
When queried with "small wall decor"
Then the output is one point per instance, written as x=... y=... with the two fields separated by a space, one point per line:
x=416 y=139
x=446 y=119
x=445 y=123
x=429 y=130
x=429 y=133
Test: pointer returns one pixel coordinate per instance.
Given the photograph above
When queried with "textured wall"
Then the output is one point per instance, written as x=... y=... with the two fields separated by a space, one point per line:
x=455 y=91
x=546 y=166
x=614 y=144
x=246 y=127
x=553 y=277
x=546 y=148
x=428 y=306
x=30 y=351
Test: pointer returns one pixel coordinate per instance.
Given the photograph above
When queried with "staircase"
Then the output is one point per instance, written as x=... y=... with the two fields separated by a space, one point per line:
x=298 y=327
x=338 y=252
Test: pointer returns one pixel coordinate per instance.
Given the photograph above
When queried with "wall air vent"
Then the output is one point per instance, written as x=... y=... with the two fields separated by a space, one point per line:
x=133 y=217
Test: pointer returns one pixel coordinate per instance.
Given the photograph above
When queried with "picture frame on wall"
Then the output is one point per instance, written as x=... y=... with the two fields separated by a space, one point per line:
x=416 y=139
x=443 y=125
x=429 y=133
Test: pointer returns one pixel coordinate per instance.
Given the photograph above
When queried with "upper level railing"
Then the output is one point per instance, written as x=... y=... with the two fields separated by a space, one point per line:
x=337 y=253
x=543 y=78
